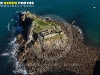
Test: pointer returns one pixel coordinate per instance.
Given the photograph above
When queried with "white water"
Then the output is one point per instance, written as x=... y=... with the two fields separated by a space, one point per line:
x=12 y=52
x=19 y=67
x=8 y=26
x=79 y=30
x=5 y=54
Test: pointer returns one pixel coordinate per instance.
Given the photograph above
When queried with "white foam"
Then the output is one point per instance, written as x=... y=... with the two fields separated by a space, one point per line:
x=11 y=20
x=8 y=26
x=5 y=54
x=94 y=7
x=19 y=67
x=12 y=51
x=22 y=12
x=79 y=30
x=12 y=42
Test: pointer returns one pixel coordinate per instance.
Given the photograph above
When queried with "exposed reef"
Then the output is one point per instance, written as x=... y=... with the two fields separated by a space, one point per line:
x=48 y=45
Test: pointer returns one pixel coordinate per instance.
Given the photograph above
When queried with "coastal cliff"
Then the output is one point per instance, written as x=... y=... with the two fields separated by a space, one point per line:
x=48 y=45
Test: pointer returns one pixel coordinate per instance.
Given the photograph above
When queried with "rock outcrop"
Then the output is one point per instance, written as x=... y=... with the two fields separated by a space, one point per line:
x=47 y=45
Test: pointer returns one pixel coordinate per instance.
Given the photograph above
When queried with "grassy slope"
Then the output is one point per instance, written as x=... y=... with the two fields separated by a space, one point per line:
x=41 y=25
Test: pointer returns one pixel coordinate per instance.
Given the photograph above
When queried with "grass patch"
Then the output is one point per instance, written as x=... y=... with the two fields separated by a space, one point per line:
x=42 y=25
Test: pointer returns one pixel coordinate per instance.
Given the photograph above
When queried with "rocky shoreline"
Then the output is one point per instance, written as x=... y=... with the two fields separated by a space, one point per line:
x=65 y=51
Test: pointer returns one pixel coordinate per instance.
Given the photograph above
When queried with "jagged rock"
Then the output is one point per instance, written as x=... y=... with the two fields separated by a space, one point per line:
x=64 y=51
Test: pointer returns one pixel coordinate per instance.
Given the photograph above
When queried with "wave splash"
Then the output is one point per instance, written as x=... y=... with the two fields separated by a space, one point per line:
x=19 y=67
x=12 y=52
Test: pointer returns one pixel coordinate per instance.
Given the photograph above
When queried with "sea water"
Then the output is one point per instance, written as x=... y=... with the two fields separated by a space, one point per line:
x=85 y=13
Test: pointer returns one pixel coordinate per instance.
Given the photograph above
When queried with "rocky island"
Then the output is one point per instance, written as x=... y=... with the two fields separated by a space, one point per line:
x=46 y=45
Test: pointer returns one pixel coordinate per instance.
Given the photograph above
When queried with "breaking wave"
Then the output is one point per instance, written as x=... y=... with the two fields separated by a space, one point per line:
x=12 y=51
x=18 y=67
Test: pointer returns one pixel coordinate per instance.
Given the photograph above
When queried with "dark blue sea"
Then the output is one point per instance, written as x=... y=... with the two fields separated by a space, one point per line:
x=86 y=14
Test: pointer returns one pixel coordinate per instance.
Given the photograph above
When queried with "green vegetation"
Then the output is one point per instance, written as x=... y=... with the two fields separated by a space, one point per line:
x=41 y=25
